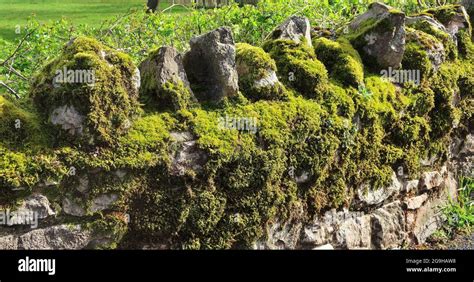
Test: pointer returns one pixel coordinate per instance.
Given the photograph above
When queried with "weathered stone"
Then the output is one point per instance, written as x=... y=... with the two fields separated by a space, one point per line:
x=8 y=242
x=379 y=36
x=72 y=208
x=294 y=28
x=388 y=226
x=34 y=206
x=429 y=217
x=416 y=202
x=59 y=237
x=210 y=65
x=431 y=179
x=315 y=235
x=187 y=156
x=164 y=80
x=354 y=233
x=373 y=197
x=103 y=202
x=468 y=145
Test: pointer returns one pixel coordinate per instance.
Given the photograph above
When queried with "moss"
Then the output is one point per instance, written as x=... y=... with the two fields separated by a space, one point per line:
x=416 y=58
x=172 y=94
x=108 y=105
x=449 y=44
x=465 y=45
x=298 y=67
x=254 y=65
x=19 y=127
x=445 y=14
x=342 y=61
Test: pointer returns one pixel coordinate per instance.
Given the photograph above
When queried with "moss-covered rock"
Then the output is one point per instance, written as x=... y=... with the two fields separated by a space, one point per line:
x=164 y=83
x=298 y=66
x=431 y=26
x=379 y=36
x=456 y=20
x=423 y=53
x=342 y=61
x=257 y=74
x=20 y=126
x=89 y=93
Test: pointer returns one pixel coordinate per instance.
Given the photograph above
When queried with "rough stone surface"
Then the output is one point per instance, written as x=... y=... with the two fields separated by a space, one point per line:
x=35 y=205
x=210 y=65
x=388 y=226
x=164 y=66
x=294 y=28
x=8 y=242
x=384 y=45
x=428 y=218
x=55 y=238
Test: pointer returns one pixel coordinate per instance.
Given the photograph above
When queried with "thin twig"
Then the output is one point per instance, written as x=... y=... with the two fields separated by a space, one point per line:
x=9 y=89
x=18 y=47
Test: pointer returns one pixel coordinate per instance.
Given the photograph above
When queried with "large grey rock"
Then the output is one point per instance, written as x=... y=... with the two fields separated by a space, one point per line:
x=379 y=36
x=59 y=237
x=354 y=233
x=161 y=69
x=370 y=196
x=35 y=206
x=295 y=28
x=416 y=202
x=210 y=65
x=187 y=156
x=388 y=226
x=424 y=221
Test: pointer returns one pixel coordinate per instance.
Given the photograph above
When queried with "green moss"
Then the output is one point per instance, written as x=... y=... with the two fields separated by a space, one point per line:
x=342 y=61
x=108 y=106
x=19 y=127
x=253 y=66
x=445 y=14
x=298 y=67
x=449 y=44
x=465 y=45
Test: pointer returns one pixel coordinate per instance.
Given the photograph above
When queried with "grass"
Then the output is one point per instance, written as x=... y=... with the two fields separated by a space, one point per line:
x=15 y=13
x=460 y=214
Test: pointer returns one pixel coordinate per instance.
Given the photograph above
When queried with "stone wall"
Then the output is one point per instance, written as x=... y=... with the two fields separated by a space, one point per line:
x=167 y=154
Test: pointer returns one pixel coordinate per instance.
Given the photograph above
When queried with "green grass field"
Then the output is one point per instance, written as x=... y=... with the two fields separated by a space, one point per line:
x=15 y=13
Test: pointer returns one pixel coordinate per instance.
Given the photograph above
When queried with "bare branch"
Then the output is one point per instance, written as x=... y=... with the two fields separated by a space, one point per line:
x=18 y=47
x=9 y=89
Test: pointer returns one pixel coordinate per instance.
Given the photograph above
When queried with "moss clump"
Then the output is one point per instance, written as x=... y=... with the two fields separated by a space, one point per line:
x=257 y=74
x=105 y=101
x=449 y=44
x=298 y=67
x=20 y=127
x=342 y=61
x=417 y=52
x=445 y=15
